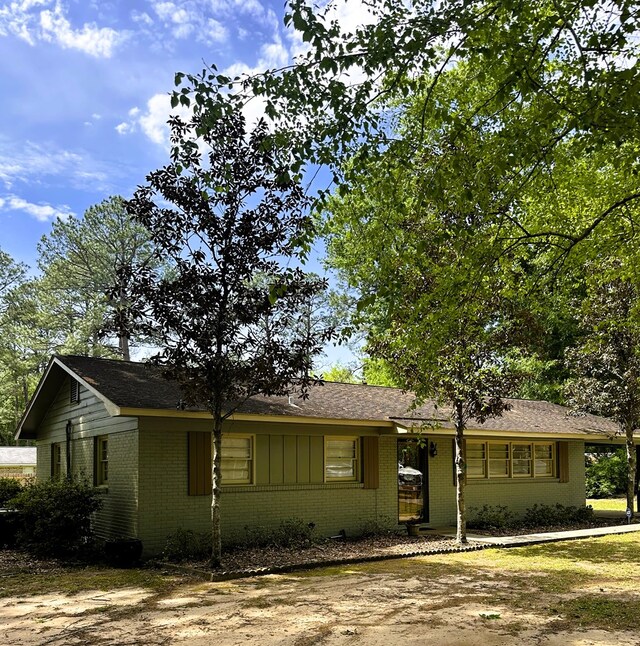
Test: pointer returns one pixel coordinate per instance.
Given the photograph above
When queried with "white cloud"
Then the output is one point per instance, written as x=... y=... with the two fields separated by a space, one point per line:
x=153 y=121
x=46 y=20
x=31 y=163
x=91 y=39
x=190 y=19
x=41 y=212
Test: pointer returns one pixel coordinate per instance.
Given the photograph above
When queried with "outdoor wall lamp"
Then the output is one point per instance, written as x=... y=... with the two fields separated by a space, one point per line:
x=433 y=449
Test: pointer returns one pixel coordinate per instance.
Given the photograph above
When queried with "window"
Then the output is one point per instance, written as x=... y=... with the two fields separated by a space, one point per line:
x=74 y=391
x=237 y=459
x=543 y=464
x=499 y=460
x=102 y=460
x=510 y=460
x=476 y=460
x=56 y=461
x=341 y=459
x=521 y=465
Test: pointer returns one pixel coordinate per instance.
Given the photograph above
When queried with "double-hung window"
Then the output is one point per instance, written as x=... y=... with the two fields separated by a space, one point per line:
x=56 y=461
x=476 y=460
x=521 y=461
x=237 y=459
x=492 y=460
x=102 y=460
x=341 y=459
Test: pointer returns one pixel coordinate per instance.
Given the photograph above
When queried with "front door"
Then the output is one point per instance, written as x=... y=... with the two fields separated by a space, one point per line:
x=413 y=489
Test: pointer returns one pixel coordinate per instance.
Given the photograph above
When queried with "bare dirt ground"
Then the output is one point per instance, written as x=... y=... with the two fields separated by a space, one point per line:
x=484 y=599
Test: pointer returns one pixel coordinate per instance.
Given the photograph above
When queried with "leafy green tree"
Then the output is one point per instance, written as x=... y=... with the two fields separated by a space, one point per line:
x=606 y=474
x=227 y=212
x=341 y=373
x=606 y=361
x=86 y=266
x=530 y=77
x=24 y=337
x=12 y=273
x=430 y=299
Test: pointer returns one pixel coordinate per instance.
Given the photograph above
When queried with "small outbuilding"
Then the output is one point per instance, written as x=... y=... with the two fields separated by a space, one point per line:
x=18 y=462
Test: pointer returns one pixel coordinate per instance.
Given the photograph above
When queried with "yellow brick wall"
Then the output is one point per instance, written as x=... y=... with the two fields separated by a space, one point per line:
x=518 y=495
x=166 y=506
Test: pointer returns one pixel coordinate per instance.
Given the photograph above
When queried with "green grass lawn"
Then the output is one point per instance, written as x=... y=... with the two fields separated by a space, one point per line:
x=608 y=504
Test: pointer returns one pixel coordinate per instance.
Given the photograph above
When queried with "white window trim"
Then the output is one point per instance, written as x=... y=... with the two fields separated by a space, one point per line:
x=252 y=470
x=357 y=460
x=511 y=476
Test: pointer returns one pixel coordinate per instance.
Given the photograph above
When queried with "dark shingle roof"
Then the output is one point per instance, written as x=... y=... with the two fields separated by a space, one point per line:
x=141 y=385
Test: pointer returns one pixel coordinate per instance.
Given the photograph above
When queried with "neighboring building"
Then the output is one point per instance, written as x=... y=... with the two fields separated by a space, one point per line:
x=18 y=462
x=344 y=458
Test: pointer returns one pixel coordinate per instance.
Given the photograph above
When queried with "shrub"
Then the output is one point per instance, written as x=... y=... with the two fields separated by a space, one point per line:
x=382 y=526
x=187 y=545
x=606 y=475
x=55 y=516
x=9 y=488
x=552 y=515
x=292 y=532
x=490 y=517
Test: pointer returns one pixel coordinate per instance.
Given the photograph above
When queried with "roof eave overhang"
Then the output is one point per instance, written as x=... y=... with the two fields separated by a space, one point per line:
x=254 y=417
x=48 y=389
x=591 y=435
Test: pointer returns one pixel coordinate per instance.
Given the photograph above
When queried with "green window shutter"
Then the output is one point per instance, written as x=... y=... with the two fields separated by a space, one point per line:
x=370 y=462
x=199 y=463
x=563 y=461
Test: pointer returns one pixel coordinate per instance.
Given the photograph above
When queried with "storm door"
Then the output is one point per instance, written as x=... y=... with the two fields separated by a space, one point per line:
x=413 y=482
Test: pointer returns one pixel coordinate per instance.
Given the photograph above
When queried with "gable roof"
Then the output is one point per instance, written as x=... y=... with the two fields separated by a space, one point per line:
x=130 y=388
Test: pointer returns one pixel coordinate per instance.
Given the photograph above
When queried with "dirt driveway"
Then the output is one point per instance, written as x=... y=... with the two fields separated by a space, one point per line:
x=531 y=595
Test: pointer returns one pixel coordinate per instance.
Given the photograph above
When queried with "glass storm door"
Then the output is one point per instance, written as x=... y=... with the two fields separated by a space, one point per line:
x=412 y=482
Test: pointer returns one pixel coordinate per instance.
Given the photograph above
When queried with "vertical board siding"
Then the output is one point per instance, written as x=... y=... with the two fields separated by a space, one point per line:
x=302 y=459
x=261 y=453
x=290 y=458
x=316 y=459
x=276 y=459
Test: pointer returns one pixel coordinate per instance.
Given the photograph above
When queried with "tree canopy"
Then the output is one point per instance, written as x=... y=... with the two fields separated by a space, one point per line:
x=232 y=317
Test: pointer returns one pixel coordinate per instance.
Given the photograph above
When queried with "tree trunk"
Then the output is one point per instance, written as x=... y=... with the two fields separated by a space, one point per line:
x=123 y=343
x=461 y=517
x=631 y=465
x=216 y=479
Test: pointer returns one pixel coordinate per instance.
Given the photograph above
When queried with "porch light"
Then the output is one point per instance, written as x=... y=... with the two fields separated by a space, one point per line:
x=433 y=449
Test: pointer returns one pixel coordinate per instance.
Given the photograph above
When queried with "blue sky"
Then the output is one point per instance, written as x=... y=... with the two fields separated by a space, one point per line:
x=85 y=93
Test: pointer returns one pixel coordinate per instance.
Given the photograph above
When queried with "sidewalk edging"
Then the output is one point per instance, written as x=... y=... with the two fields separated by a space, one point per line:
x=475 y=545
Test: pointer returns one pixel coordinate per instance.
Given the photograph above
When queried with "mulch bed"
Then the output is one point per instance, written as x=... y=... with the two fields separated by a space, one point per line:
x=251 y=561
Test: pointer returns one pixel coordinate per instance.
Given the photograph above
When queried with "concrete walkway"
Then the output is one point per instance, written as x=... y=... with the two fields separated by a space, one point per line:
x=550 y=537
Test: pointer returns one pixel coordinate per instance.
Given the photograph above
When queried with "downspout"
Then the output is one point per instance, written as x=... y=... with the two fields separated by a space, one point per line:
x=68 y=446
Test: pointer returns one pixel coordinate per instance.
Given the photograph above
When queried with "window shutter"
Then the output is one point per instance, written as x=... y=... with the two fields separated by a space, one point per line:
x=199 y=463
x=370 y=462
x=563 y=461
